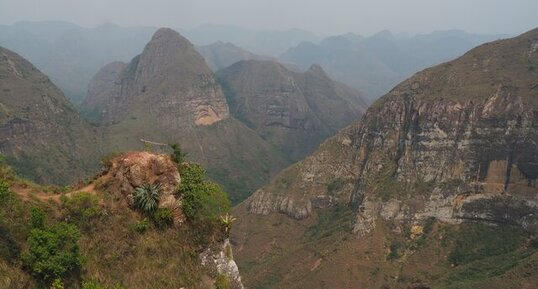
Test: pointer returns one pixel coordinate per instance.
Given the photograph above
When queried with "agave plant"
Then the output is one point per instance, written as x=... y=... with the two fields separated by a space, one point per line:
x=147 y=197
x=227 y=221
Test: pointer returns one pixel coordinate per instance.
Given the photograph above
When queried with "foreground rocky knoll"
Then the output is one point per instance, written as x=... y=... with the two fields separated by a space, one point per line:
x=454 y=143
x=85 y=235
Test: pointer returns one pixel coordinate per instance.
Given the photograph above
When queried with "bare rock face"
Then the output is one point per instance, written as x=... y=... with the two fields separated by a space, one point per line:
x=455 y=142
x=135 y=169
x=219 y=261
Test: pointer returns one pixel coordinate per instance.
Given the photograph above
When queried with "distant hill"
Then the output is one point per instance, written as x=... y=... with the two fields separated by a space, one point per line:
x=220 y=55
x=375 y=64
x=41 y=134
x=263 y=42
x=293 y=111
x=69 y=54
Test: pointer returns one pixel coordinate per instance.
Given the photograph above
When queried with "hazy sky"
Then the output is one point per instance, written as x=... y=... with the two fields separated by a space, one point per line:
x=320 y=16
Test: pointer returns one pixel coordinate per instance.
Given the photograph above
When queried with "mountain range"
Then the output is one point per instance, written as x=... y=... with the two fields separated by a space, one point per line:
x=435 y=187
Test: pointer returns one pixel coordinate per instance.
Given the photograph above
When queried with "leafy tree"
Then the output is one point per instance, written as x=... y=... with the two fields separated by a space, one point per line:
x=202 y=199
x=147 y=198
x=53 y=252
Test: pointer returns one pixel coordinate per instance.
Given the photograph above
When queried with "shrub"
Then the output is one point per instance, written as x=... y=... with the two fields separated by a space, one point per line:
x=57 y=284
x=202 y=199
x=141 y=226
x=37 y=218
x=477 y=241
x=53 y=252
x=222 y=282
x=81 y=208
x=97 y=285
x=394 y=247
x=147 y=198
x=5 y=194
x=163 y=217
x=178 y=156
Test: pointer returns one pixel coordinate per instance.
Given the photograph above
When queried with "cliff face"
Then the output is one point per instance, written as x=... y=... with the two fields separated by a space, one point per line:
x=293 y=111
x=446 y=140
x=41 y=133
x=456 y=143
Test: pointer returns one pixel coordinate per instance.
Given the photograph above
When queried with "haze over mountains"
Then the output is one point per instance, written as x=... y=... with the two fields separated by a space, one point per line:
x=71 y=55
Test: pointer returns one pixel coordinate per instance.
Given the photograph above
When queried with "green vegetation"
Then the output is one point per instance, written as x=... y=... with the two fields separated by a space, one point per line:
x=330 y=221
x=163 y=217
x=178 y=155
x=222 y=282
x=147 y=198
x=477 y=241
x=81 y=208
x=53 y=252
x=394 y=248
x=97 y=285
x=57 y=284
x=202 y=199
x=141 y=226
x=335 y=185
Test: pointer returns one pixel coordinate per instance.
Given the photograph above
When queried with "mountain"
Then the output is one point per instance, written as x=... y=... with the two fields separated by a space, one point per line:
x=375 y=64
x=69 y=54
x=98 y=235
x=41 y=134
x=293 y=111
x=435 y=187
x=168 y=94
x=220 y=55
x=262 y=42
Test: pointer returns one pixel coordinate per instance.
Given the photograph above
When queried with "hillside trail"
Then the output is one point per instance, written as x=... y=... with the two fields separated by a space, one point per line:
x=29 y=193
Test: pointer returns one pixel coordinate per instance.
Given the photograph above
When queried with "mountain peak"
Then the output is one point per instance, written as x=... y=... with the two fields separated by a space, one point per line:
x=317 y=69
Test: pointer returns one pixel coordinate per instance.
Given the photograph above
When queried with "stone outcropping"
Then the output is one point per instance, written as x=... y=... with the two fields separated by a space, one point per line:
x=220 y=261
x=127 y=172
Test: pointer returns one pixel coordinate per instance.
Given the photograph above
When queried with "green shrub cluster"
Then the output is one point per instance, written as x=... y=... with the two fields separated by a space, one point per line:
x=82 y=206
x=53 y=252
x=97 y=285
x=202 y=199
x=476 y=241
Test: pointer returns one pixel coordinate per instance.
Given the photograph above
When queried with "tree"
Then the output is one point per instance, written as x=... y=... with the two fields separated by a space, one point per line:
x=178 y=156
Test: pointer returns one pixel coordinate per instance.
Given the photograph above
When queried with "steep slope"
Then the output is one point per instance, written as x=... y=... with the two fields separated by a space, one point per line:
x=69 y=54
x=293 y=111
x=418 y=180
x=220 y=55
x=168 y=94
x=41 y=134
x=375 y=64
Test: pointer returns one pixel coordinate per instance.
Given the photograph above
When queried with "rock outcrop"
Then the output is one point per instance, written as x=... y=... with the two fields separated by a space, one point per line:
x=127 y=172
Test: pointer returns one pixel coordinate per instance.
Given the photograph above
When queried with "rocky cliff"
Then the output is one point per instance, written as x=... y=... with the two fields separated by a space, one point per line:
x=454 y=143
x=41 y=133
x=293 y=111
